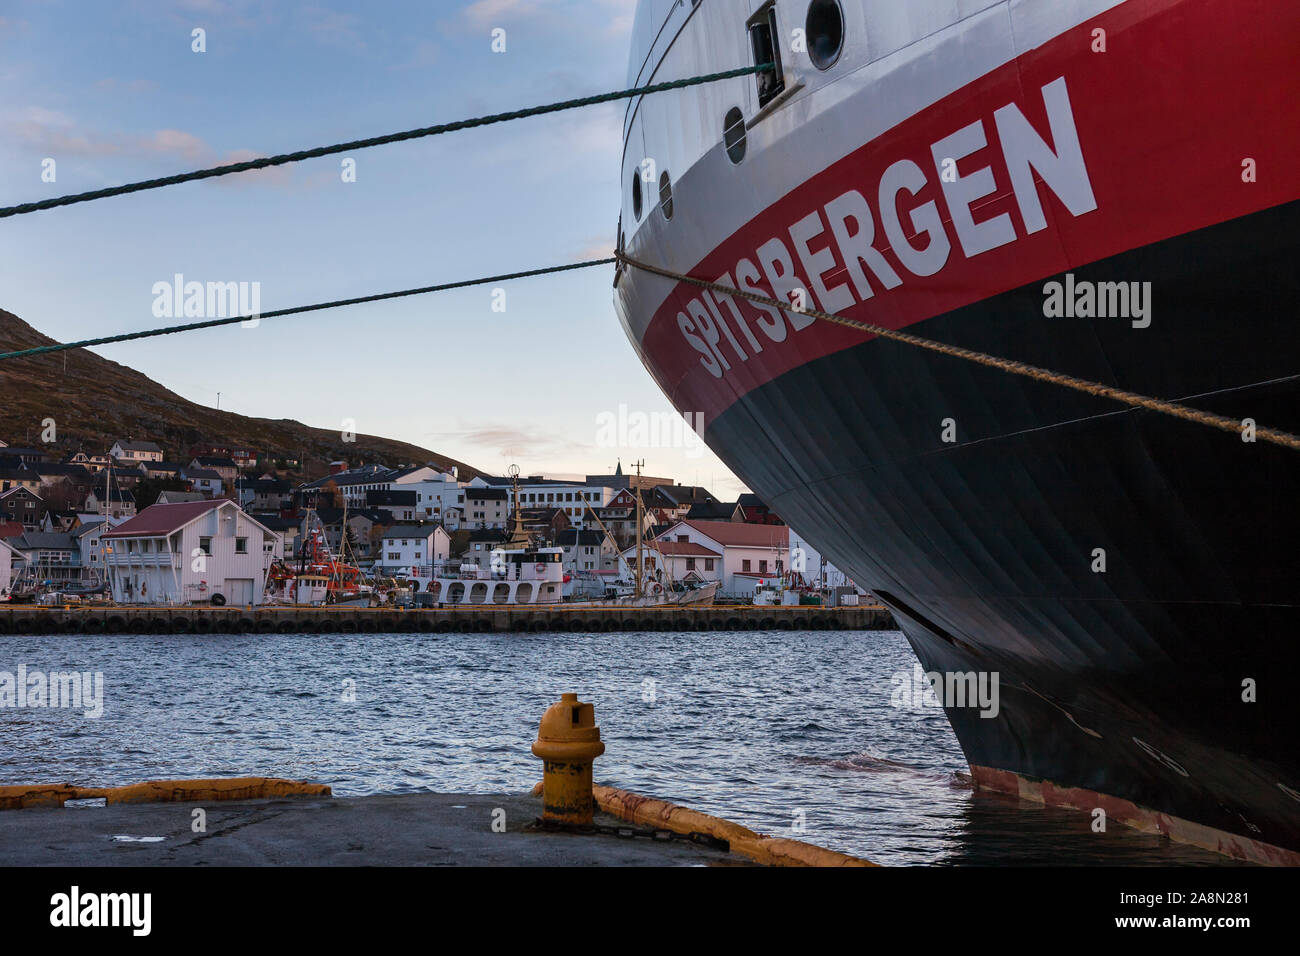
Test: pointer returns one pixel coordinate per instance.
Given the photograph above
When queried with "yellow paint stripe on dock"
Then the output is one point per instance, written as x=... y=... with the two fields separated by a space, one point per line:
x=161 y=791
x=767 y=850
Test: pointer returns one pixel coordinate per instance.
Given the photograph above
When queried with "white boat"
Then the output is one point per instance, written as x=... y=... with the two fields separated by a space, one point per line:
x=523 y=576
x=674 y=594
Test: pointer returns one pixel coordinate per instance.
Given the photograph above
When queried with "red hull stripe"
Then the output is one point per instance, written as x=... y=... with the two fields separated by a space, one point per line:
x=1186 y=119
x=1133 y=815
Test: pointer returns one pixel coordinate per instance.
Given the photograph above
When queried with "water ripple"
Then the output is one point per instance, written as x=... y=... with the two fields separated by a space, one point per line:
x=789 y=733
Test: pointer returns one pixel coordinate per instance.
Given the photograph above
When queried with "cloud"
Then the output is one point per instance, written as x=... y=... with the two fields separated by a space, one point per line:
x=55 y=134
x=508 y=440
x=39 y=116
x=491 y=13
x=598 y=248
x=169 y=141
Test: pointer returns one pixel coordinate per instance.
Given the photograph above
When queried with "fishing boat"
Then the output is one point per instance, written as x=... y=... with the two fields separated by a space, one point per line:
x=643 y=585
x=319 y=577
x=1058 y=200
x=589 y=589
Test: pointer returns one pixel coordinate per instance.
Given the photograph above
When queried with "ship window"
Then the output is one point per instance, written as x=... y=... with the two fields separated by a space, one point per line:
x=825 y=32
x=762 y=37
x=665 y=205
x=733 y=134
x=636 y=194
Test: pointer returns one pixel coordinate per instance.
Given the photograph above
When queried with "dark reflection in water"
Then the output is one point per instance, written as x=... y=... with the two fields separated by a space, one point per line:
x=774 y=730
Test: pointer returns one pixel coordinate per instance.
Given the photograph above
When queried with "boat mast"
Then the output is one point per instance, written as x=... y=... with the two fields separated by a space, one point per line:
x=104 y=526
x=604 y=530
x=518 y=537
x=336 y=567
x=640 y=568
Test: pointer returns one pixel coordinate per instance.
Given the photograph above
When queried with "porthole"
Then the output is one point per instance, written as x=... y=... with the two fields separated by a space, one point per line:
x=824 y=28
x=666 y=195
x=636 y=194
x=733 y=134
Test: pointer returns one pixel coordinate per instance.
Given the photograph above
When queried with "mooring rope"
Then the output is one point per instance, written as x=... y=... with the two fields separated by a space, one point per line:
x=1163 y=406
x=298 y=310
x=356 y=144
x=1133 y=399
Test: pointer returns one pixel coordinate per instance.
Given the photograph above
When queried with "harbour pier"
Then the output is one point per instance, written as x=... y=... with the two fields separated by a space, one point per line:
x=565 y=820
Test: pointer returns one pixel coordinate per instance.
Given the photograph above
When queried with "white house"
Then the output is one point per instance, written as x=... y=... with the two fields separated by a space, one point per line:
x=571 y=497
x=678 y=560
x=438 y=495
x=749 y=553
x=118 y=502
x=400 y=504
x=404 y=549
x=190 y=551
x=136 y=451
x=9 y=559
x=485 y=509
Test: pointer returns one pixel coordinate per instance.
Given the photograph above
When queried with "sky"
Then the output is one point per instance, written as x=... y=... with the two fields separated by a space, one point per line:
x=114 y=92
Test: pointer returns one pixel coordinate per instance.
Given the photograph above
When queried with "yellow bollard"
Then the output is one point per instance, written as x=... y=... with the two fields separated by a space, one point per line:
x=568 y=740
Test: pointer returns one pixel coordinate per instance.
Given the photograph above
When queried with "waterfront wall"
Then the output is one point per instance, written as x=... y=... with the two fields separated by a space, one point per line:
x=29 y=619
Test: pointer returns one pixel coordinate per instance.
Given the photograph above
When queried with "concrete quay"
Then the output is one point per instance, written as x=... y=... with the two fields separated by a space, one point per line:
x=420 y=829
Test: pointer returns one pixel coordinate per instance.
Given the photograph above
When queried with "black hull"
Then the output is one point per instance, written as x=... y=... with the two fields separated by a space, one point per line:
x=1126 y=683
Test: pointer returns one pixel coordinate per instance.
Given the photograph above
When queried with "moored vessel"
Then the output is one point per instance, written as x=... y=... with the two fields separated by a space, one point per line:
x=1072 y=184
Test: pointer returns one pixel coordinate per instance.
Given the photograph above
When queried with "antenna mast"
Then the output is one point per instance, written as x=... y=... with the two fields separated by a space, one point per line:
x=640 y=568
x=517 y=535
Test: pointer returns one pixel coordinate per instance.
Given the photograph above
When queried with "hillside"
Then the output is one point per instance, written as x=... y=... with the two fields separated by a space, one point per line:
x=95 y=401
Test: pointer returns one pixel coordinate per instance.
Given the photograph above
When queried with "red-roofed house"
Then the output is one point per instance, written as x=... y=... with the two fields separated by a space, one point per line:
x=748 y=553
x=190 y=551
x=679 y=560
